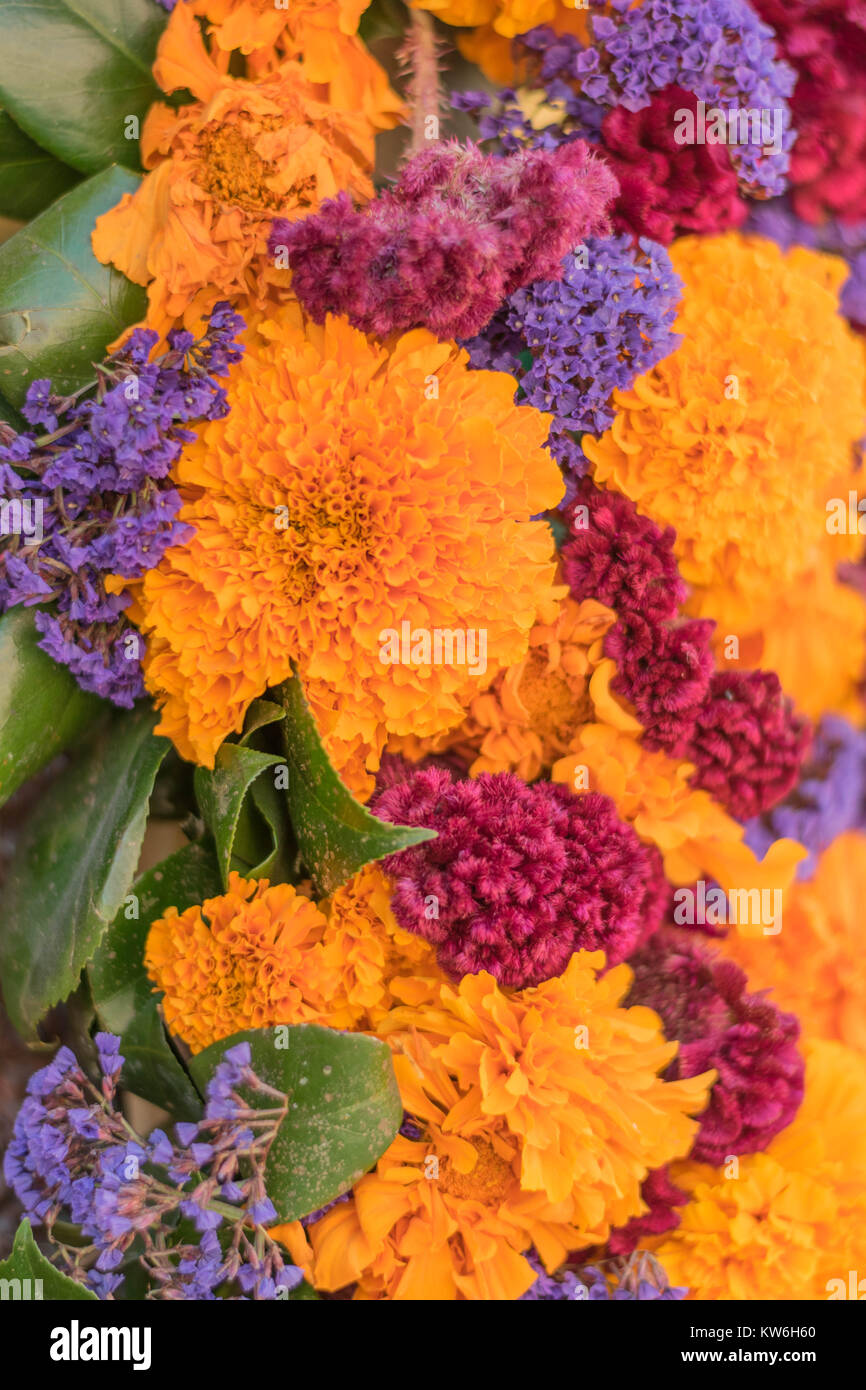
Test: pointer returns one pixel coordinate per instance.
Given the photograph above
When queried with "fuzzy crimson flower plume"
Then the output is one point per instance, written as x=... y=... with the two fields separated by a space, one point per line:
x=666 y=189
x=458 y=232
x=519 y=877
x=619 y=557
x=703 y=1003
x=748 y=744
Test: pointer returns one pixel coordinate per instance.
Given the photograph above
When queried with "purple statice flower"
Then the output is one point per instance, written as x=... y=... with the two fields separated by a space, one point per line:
x=456 y=234
x=827 y=800
x=96 y=499
x=73 y=1157
x=638 y=1278
x=777 y=221
x=608 y=320
x=719 y=50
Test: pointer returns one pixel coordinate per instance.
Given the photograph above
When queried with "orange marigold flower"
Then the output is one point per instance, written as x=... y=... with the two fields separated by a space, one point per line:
x=537 y=1116
x=222 y=168
x=792 y=1222
x=248 y=959
x=740 y=437
x=323 y=34
x=528 y=717
x=823 y=931
x=372 y=963
x=261 y=955
x=696 y=837
x=341 y=501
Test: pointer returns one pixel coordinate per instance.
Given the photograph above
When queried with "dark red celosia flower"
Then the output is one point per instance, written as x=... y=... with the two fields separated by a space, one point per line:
x=703 y=1003
x=666 y=189
x=665 y=673
x=619 y=557
x=662 y=1197
x=749 y=744
x=825 y=41
x=520 y=876
x=456 y=235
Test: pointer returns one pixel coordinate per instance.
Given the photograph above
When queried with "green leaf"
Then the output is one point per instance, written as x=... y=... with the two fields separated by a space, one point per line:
x=336 y=834
x=73 y=866
x=122 y=991
x=28 y=1263
x=221 y=792
x=258 y=716
x=59 y=307
x=42 y=709
x=30 y=178
x=75 y=70
x=344 y=1108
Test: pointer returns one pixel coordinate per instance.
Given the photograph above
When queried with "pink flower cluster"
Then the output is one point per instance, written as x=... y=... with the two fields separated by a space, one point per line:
x=456 y=235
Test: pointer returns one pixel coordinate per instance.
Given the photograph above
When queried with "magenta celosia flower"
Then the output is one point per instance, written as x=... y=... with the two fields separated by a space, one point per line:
x=619 y=557
x=748 y=744
x=666 y=189
x=519 y=877
x=825 y=43
x=704 y=1004
x=665 y=673
x=663 y=1197
x=458 y=232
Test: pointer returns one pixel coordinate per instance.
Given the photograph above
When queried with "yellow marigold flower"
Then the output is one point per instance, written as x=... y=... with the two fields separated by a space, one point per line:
x=815 y=966
x=372 y=963
x=221 y=168
x=794 y=1218
x=528 y=717
x=323 y=33
x=813 y=635
x=248 y=959
x=538 y=1115
x=739 y=438
x=696 y=837
x=340 y=501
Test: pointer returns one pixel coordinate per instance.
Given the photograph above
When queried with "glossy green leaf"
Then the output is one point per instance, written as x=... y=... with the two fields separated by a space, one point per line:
x=73 y=866
x=221 y=793
x=34 y=1276
x=344 y=1108
x=74 y=71
x=42 y=709
x=260 y=714
x=59 y=307
x=122 y=991
x=337 y=836
x=30 y=177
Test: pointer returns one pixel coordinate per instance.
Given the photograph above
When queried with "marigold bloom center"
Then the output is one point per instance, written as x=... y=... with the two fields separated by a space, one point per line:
x=232 y=170
x=489 y=1181
x=549 y=700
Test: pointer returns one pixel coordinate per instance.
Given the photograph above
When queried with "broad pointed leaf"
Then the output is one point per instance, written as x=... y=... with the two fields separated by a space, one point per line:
x=74 y=71
x=73 y=866
x=35 y=1277
x=59 y=307
x=344 y=1108
x=336 y=834
x=42 y=709
x=30 y=177
x=221 y=793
